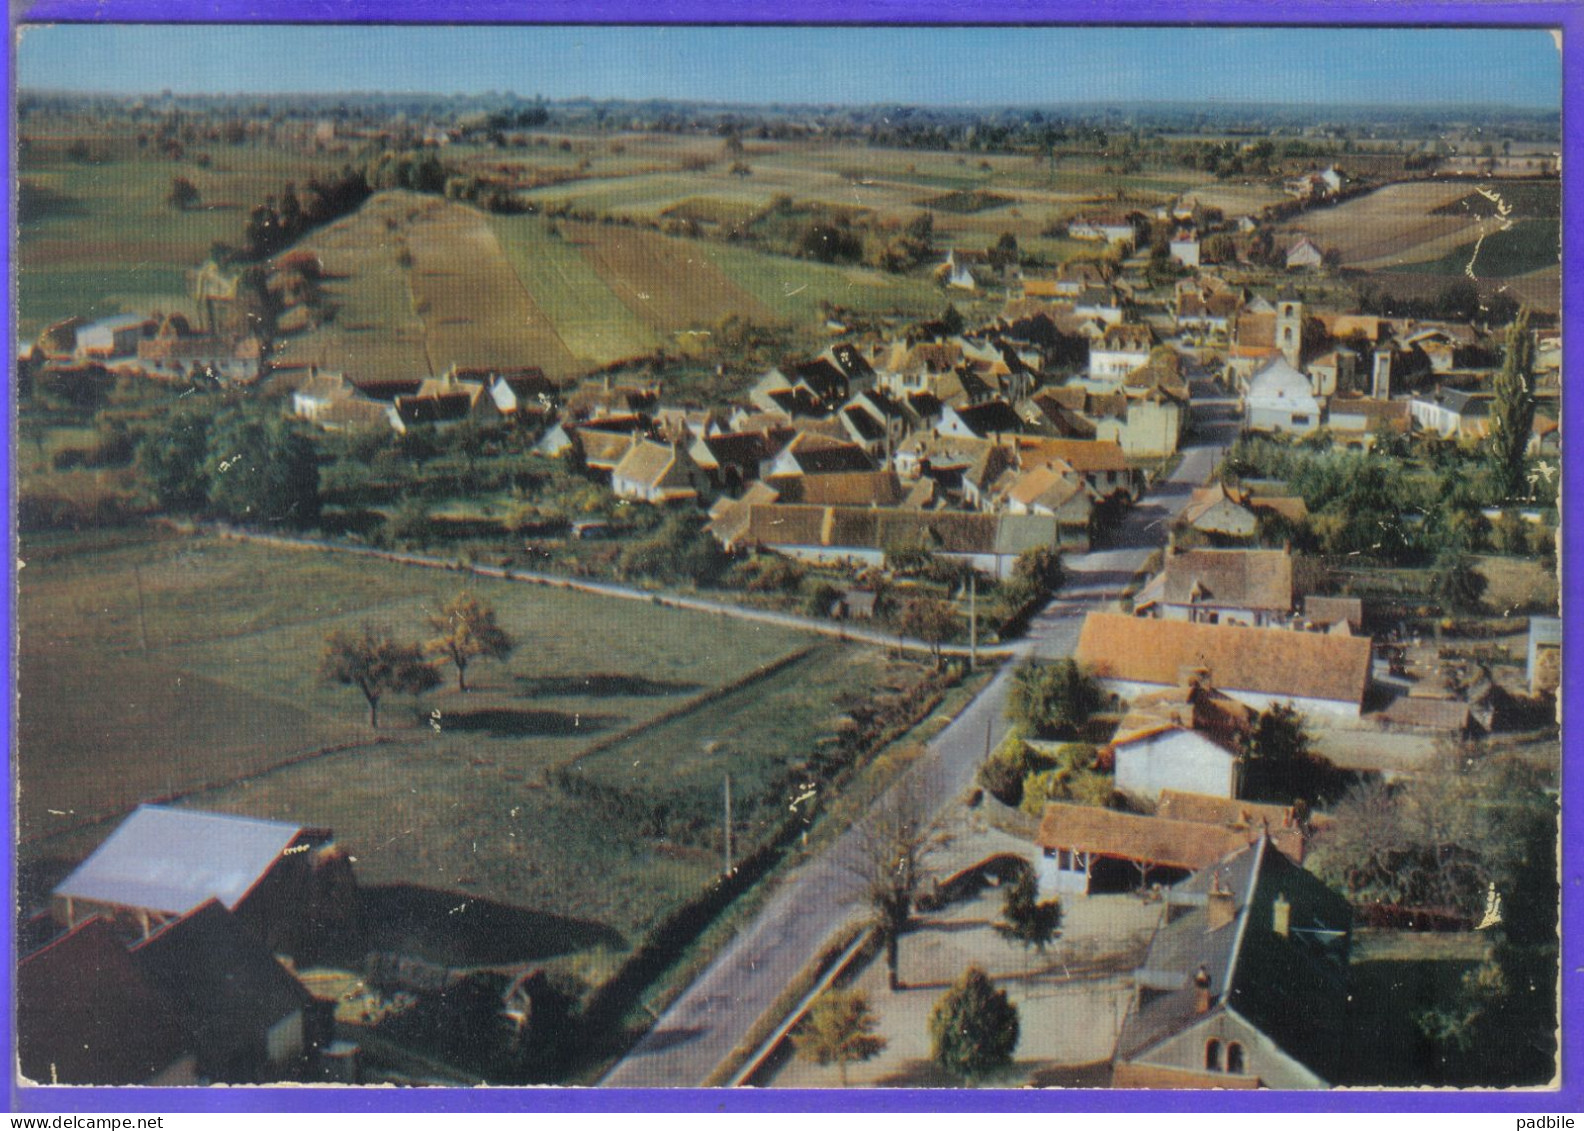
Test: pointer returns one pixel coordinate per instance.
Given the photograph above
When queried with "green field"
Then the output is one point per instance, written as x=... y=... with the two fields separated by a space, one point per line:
x=452 y=792
x=595 y=325
x=97 y=238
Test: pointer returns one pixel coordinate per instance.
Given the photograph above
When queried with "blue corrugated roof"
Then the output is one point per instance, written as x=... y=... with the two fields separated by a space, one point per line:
x=172 y=860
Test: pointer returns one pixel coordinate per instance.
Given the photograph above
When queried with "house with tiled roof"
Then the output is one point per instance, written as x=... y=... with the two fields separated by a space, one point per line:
x=1249 y=587
x=1085 y=849
x=1053 y=489
x=1319 y=674
x=1121 y=350
x=810 y=453
x=732 y=460
x=1219 y=511
x=853 y=536
x=1453 y=413
x=1245 y=984
x=1102 y=463
x=1361 y=422
x=653 y=472
x=1189 y=738
x=846 y=489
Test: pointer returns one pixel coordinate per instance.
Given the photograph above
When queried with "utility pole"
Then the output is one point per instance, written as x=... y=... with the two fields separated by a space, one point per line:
x=728 y=826
x=973 y=622
x=137 y=572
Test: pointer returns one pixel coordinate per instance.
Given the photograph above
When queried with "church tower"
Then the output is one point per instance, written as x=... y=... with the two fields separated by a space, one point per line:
x=1289 y=330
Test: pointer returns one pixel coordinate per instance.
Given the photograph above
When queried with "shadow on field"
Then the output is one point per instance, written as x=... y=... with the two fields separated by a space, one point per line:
x=451 y=929
x=502 y=722
x=603 y=685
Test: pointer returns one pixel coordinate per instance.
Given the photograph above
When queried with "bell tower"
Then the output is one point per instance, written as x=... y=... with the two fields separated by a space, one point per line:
x=1289 y=330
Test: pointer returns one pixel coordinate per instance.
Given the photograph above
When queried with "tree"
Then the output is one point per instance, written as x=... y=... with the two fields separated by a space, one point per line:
x=1513 y=408
x=466 y=631
x=261 y=469
x=1026 y=920
x=893 y=847
x=840 y=1030
x=951 y=319
x=1005 y=253
x=974 y=1027
x=1048 y=699
x=1280 y=763
x=931 y=620
x=183 y=194
x=375 y=663
x=1455 y=582
x=172 y=459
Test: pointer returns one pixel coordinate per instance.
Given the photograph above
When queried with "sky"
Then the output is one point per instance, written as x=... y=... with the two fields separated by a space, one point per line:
x=911 y=65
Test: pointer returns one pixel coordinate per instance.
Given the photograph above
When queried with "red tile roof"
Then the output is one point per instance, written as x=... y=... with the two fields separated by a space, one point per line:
x=1262 y=661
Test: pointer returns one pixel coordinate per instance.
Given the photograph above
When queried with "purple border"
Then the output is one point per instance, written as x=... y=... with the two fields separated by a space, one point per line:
x=1542 y=13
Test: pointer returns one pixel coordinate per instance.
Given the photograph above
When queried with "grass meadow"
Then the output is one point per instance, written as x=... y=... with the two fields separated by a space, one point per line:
x=453 y=793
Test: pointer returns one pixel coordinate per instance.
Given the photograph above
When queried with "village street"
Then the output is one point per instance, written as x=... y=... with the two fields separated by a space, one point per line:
x=707 y=1023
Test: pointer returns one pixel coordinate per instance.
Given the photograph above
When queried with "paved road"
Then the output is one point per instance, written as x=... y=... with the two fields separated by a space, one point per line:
x=713 y=1016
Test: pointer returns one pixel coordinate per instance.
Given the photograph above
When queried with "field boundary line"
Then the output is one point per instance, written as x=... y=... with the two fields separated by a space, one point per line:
x=610 y=589
x=682 y=710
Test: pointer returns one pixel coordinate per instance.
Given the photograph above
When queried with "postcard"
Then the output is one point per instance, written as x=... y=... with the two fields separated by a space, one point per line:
x=786 y=558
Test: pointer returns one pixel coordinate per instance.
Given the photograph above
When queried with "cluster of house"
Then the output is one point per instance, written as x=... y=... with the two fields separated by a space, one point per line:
x=158 y=348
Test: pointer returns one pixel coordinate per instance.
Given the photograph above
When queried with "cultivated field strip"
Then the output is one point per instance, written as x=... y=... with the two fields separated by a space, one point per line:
x=666 y=282
x=475 y=309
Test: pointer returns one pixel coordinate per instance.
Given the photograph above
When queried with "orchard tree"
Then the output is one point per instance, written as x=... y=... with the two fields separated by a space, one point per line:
x=974 y=1027
x=375 y=663
x=466 y=631
x=839 y=1030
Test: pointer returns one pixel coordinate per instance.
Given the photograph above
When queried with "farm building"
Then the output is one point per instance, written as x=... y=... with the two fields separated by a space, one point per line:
x=732 y=459
x=1250 y=587
x=1220 y=511
x=286 y=883
x=1050 y=489
x=1318 y=673
x=1102 y=463
x=990 y=543
x=1304 y=253
x=112 y=337
x=1245 y=984
x=1086 y=849
x=86 y=1015
x=246 y=1017
x=1325 y=613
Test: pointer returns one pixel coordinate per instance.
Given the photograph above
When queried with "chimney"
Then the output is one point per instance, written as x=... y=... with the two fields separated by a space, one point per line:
x=1221 y=905
x=1281 y=915
x=1201 y=980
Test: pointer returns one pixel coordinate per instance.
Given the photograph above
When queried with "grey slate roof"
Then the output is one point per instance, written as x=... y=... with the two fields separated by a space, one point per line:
x=173 y=860
x=1293 y=988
